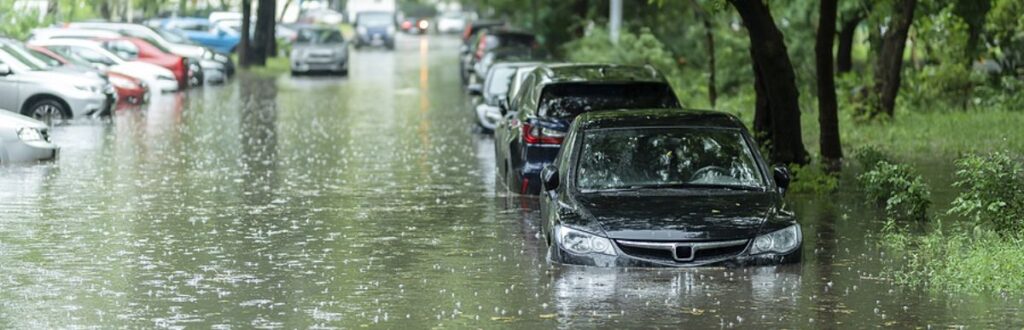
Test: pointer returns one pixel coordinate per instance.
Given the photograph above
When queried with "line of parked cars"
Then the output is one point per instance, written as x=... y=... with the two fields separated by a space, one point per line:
x=90 y=69
x=624 y=174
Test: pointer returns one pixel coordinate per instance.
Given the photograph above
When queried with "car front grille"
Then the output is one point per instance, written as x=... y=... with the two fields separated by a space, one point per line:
x=683 y=252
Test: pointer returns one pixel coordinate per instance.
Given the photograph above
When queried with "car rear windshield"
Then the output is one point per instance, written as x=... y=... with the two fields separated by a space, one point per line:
x=674 y=157
x=375 y=19
x=319 y=36
x=568 y=100
x=498 y=82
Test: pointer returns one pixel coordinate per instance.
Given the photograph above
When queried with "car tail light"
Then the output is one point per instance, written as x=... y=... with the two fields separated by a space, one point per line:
x=466 y=32
x=540 y=135
x=480 y=47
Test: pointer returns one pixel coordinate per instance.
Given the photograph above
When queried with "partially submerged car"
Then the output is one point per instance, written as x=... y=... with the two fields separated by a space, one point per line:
x=130 y=90
x=529 y=136
x=23 y=139
x=29 y=87
x=375 y=28
x=157 y=78
x=678 y=188
x=201 y=31
x=319 y=49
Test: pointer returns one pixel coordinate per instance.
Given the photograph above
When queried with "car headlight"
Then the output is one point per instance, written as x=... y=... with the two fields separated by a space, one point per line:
x=780 y=241
x=88 y=88
x=29 y=134
x=580 y=242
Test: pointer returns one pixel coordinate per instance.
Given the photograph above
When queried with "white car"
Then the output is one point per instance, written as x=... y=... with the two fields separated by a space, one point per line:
x=23 y=139
x=157 y=77
x=451 y=22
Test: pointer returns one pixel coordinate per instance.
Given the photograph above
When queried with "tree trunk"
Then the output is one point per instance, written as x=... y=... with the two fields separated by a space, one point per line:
x=778 y=110
x=828 y=119
x=105 y=10
x=244 y=49
x=271 y=30
x=264 y=32
x=890 y=58
x=709 y=39
x=844 y=56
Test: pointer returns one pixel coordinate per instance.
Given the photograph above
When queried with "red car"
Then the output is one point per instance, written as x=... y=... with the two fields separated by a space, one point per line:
x=130 y=90
x=138 y=49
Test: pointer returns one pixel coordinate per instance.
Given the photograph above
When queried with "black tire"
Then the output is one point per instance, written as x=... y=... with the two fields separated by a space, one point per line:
x=48 y=110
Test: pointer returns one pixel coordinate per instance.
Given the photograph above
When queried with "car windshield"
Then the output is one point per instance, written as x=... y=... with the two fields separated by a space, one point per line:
x=319 y=36
x=568 y=100
x=172 y=37
x=374 y=19
x=22 y=60
x=676 y=157
x=500 y=78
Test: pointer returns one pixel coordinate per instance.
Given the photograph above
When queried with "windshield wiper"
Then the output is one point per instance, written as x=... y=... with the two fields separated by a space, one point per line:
x=677 y=186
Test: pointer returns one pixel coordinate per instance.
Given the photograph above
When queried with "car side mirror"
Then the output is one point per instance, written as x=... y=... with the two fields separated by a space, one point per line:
x=5 y=69
x=475 y=89
x=782 y=177
x=503 y=106
x=549 y=176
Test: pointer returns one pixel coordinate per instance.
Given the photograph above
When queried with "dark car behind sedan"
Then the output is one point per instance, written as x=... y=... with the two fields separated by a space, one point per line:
x=319 y=49
x=528 y=138
x=375 y=28
x=665 y=188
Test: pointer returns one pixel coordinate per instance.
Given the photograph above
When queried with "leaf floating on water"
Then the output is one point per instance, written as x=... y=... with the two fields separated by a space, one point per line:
x=715 y=211
x=503 y=318
x=694 y=311
x=548 y=316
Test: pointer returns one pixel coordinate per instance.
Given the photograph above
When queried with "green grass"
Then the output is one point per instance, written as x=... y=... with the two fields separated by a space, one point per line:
x=275 y=66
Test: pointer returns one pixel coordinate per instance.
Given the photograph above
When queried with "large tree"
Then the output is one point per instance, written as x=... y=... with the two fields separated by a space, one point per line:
x=263 y=42
x=889 y=62
x=244 y=47
x=777 y=114
x=828 y=119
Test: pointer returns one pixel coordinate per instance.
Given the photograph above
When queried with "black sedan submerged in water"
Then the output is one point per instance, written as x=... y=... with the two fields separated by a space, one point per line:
x=652 y=188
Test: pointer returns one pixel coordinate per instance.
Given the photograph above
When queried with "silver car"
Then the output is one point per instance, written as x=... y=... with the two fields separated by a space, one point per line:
x=319 y=49
x=27 y=86
x=23 y=139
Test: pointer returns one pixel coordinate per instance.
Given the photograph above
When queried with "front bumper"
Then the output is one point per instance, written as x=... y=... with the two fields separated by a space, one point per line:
x=375 y=39
x=333 y=65
x=91 y=104
x=622 y=259
x=21 y=151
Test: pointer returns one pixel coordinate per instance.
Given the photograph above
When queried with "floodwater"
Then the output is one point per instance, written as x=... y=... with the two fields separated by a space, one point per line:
x=322 y=202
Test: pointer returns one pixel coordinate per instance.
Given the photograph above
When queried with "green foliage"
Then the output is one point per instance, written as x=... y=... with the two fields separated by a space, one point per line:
x=812 y=178
x=993 y=192
x=18 y=23
x=903 y=194
x=633 y=49
x=868 y=156
x=959 y=260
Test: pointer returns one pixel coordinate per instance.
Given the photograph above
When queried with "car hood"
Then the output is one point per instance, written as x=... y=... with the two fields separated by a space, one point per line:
x=79 y=70
x=678 y=217
x=186 y=50
x=57 y=77
x=14 y=120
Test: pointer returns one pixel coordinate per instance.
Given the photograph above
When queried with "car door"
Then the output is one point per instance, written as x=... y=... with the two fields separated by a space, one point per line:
x=9 y=91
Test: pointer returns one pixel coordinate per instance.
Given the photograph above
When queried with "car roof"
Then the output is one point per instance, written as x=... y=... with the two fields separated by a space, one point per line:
x=573 y=72
x=656 y=117
x=517 y=64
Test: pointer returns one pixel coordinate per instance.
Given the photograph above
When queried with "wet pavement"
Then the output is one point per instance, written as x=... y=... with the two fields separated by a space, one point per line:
x=369 y=201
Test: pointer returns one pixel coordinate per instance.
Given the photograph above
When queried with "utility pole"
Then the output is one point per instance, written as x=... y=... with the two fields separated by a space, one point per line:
x=615 y=20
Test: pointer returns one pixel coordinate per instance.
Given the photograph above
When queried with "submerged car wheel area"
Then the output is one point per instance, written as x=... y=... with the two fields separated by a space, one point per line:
x=665 y=187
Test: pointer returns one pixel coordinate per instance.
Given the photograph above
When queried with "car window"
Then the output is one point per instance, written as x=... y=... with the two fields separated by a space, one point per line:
x=45 y=58
x=513 y=40
x=25 y=55
x=20 y=61
x=91 y=56
x=319 y=36
x=374 y=19
x=499 y=79
x=568 y=100
x=665 y=157
x=122 y=48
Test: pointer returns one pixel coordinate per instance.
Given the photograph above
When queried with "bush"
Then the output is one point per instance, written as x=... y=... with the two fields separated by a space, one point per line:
x=903 y=194
x=632 y=49
x=993 y=191
x=869 y=156
x=812 y=179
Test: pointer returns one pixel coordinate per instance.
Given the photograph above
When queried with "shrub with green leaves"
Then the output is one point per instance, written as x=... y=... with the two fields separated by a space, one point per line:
x=869 y=156
x=812 y=179
x=902 y=193
x=993 y=192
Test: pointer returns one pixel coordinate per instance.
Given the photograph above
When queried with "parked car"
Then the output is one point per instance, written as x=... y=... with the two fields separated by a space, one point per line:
x=488 y=40
x=27 y=86
x=529 y=137
x=663 y=187
x=167 y=41
x=471 y=30
x=200 y=31
x=137 y=49
x=319 y=49
x=517 y=82
x=494 y=92
x=129 y=90
x=375 y=28
x=157 y=78
x=414 y=25
x=504 y=54
x=23 y=139
x=451 y=22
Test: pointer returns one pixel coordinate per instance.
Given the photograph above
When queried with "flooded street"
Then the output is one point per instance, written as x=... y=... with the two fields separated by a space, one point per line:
x=299 y=202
